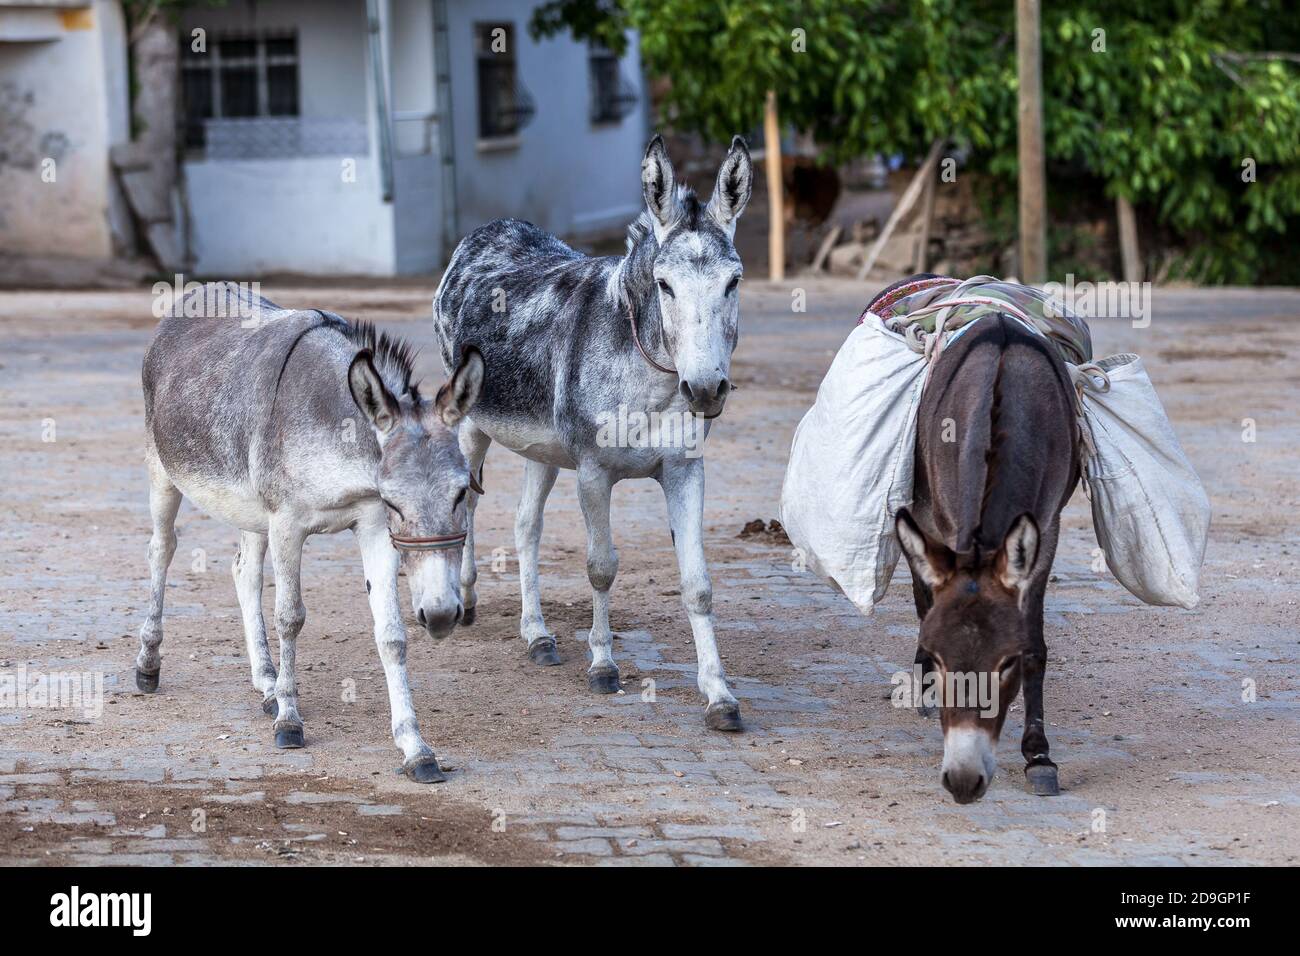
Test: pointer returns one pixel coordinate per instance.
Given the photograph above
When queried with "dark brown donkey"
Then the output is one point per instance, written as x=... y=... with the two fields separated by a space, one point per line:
x=996 y=461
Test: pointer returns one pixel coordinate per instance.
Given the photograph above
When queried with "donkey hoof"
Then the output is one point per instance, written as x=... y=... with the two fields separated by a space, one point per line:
x=543 y=652
x=145 y=681
x=270 y=708
x=724 y=715
x=289 y=738
x=469 y=616
x=603 y=680
x=424 y=770
x=1042 y=780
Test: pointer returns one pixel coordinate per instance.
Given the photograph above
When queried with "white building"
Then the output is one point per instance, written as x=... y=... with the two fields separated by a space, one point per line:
x=63 y=105
x=361 y=137
x=355 y=137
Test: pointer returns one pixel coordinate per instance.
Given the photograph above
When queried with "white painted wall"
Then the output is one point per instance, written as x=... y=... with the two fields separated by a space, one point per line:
x=252 y=217
x=565 y=175
x=61 y=98
x=257 y=216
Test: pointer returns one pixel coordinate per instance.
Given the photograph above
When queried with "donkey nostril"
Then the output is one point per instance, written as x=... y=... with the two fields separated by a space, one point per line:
x=685 y=389
x=723 y=388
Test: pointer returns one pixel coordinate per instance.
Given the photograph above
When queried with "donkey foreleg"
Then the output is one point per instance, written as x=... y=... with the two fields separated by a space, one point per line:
x=683 y=484
x=1040 y=771
x=286 y=541
x=247 y=572
x=473 y=445
x=164 y=501
x=538 y=481
x=381 y=562
x=594 y=489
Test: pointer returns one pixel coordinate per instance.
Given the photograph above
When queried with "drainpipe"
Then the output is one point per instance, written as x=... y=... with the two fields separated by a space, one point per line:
x=446 y=138
x=378 y=44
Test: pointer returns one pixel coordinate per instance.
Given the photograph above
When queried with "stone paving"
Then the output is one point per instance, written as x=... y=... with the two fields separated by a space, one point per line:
x=1162 y=763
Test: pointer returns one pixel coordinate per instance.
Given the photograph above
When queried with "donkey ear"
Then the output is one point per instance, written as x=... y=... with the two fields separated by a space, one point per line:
x=931 y=563
x=659 y=183
x=1019 y=551
x=735 y=183
x=458 y=396
x=371 y=395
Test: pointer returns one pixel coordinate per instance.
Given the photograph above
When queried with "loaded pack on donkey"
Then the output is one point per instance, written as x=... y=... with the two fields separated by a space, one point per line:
x=952 y=427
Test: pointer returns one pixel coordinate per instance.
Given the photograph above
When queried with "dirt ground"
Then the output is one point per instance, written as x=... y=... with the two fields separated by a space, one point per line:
x=1162 y=760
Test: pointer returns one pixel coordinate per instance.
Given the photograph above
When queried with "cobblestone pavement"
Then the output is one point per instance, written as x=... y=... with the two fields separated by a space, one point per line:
x=1162 y=759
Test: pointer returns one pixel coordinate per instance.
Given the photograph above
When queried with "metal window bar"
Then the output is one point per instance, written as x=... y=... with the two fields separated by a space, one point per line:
x=612 y=96
x=203 y=75
x=505 y=105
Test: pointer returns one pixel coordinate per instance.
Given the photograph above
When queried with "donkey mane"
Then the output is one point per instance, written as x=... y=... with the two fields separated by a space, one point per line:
x=689 y=207
x=392 y=355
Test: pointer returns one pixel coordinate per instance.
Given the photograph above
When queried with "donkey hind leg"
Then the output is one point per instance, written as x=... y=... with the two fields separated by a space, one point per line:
x=247 y=572
x=683 y=484
x=164 y=501
x=286 y=543
x=381 y=563
x=1040 y=772
x=473 y=445
x=594 y=489
x=538 y=481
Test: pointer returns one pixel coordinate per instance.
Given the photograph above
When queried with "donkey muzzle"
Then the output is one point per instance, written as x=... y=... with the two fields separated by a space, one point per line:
x=706 y=397
x=439 y=621
x=968 y=763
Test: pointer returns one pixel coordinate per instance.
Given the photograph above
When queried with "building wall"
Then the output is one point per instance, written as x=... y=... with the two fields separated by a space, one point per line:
x=565 y=175
x=62 y=98
x=296 y=214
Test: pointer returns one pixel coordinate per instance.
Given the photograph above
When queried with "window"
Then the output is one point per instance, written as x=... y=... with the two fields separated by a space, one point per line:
x=238 y=76
x=504 y=106
x=611 y=98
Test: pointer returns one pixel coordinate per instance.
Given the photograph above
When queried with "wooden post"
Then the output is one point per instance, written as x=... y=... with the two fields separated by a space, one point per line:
x=775 y=204
x=922 y=256
x=1033 y=190
x=1128 y=240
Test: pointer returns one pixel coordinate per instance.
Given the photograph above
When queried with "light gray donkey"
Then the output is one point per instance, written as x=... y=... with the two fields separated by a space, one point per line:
x=288 y=424
x=574 y=343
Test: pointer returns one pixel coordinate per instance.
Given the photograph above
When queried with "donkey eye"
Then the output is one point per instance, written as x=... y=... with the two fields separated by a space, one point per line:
x=393 y=508
x=665 y=288
x=731 y=286
x=459 y=498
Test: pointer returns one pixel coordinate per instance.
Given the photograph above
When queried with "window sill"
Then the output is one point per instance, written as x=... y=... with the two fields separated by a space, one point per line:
x=498 y=144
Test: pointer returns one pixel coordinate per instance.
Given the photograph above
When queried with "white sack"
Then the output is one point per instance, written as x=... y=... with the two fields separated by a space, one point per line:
x=1149 y=510
x=851 y=463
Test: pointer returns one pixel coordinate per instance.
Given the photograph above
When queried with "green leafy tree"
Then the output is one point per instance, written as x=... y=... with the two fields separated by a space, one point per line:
x=1188 y=108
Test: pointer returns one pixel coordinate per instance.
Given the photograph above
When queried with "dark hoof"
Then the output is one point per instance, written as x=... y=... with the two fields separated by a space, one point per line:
x=723 y=715
x=146 y=682
x=1042 y=780
x=270 y=707
x=604 y=680
x=288 y=738
x=468 y=618
x=424 y=770
x=544 y=652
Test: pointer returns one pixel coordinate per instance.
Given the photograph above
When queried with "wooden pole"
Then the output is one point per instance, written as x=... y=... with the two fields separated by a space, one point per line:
x=775 y=205
x=1130 y=253
x=927 y=223
x=1033 y=189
